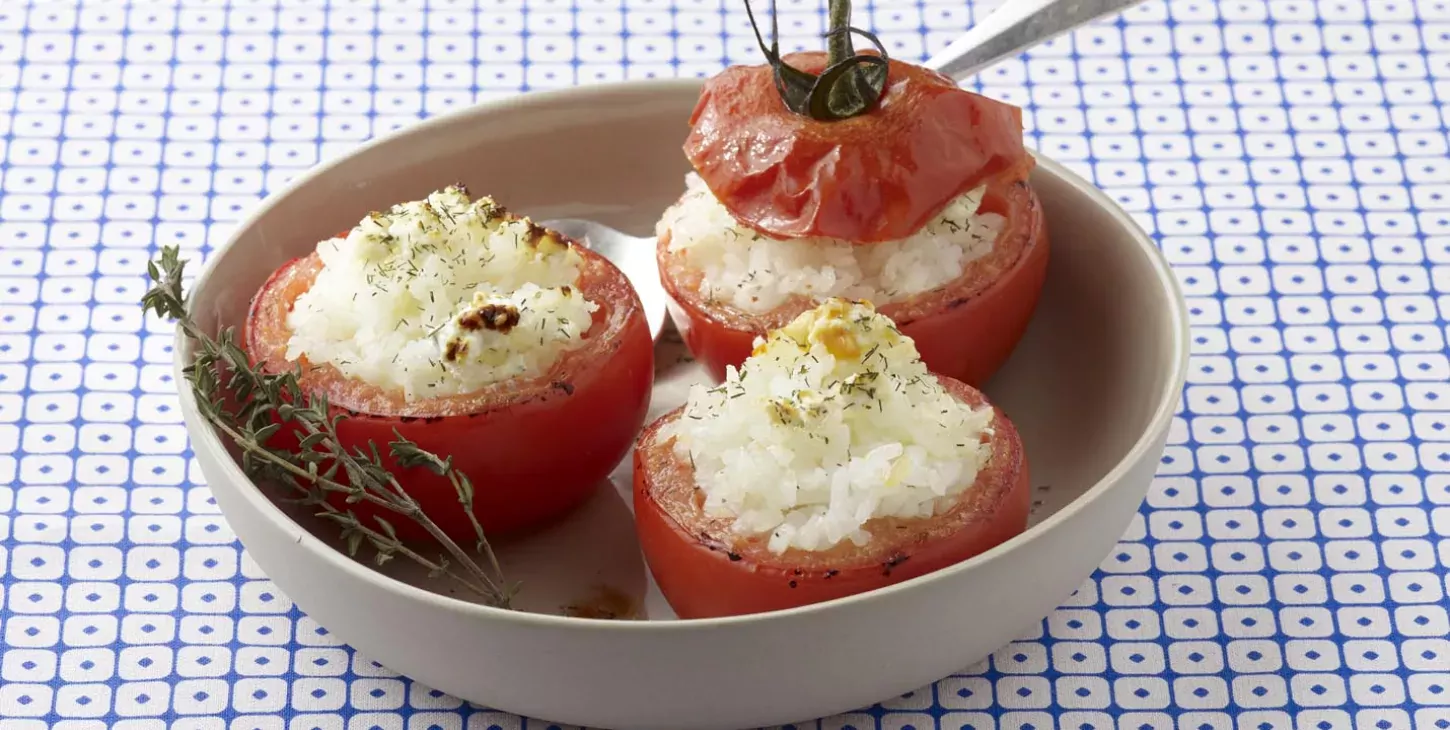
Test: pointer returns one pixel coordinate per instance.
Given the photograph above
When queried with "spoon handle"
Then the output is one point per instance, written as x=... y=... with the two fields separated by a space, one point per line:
x=1015 y=26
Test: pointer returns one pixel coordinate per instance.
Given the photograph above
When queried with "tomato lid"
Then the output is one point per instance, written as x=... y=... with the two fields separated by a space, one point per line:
x=879 y=176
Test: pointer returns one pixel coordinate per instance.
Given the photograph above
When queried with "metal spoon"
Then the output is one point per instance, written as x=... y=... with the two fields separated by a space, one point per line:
x=1012 y=28
x=1015 y=26
x=634 y=256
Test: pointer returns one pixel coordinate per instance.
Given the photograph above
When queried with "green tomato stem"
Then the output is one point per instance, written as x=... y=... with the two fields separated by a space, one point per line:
x=838 y=47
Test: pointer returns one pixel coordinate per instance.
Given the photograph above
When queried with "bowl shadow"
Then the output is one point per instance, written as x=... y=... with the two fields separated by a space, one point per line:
x=586 y=564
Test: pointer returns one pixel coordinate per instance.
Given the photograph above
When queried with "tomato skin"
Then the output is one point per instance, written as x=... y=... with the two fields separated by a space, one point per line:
x=879 y=176
x=705 y=572
x=533 y=450
x=965 y=329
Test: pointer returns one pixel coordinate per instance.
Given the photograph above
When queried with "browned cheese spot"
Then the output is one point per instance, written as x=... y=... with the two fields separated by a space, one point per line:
x=454 y=350
x=497 y=317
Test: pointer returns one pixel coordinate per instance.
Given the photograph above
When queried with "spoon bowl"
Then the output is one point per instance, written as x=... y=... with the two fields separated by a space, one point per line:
x=635 y=256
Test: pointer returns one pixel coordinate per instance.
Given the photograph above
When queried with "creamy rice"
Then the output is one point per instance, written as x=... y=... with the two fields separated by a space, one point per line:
x=756 y=273
x=441 y=296
x=833 y=422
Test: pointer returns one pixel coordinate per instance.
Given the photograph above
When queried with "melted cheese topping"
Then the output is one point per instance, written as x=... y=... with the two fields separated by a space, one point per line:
x=832 y=422
x=441 y=296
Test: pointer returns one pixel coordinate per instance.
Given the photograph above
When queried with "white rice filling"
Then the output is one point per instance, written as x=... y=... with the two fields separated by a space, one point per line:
x=833 y=422
x=756 y=273
x=441 y=296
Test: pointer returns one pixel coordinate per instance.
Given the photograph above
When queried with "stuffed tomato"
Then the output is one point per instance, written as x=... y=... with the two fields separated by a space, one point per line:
x=831 y=463
x=477 y=335
x=920 y=204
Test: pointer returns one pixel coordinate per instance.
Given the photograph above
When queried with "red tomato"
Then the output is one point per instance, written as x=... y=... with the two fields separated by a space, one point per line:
x=879 y=176
x=534 y=449
x=965 y=329
x=704 y=570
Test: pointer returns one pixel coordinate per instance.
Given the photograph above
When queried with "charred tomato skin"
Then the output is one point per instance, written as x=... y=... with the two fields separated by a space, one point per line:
x=534 y=449
x=706 y=572
x=965 y=329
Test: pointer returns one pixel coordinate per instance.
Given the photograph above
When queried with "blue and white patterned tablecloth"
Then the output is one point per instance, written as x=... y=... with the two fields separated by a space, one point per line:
x=1288 y=571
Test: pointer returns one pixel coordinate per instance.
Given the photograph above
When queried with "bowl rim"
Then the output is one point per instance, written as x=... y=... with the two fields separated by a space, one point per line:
x=205 y=438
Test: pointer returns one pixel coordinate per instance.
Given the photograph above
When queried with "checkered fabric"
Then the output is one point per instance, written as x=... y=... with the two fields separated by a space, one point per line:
x=1287 y=572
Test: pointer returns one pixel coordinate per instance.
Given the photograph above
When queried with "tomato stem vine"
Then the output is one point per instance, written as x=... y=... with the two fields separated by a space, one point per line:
x=249 y=406
x=850 y=85
x=838 y=45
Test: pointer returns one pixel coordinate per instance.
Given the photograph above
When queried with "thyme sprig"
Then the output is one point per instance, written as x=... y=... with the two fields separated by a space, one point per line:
x=851 y=83
x=249 y=406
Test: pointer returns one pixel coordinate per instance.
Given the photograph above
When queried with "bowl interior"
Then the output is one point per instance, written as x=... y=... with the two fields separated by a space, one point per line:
x=1083 y=386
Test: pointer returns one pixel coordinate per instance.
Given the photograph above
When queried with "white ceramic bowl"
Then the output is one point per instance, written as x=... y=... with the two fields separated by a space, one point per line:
x=1092 y=388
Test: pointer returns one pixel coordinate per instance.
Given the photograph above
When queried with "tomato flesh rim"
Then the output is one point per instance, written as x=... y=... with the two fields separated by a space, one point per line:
x=509 y=444
x=993 y=484
x=1011 y=250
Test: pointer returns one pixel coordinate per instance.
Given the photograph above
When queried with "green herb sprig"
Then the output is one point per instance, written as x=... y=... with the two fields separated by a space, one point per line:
x=249 y=406
x=851 y=83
